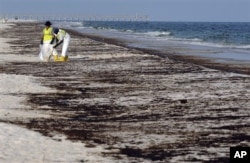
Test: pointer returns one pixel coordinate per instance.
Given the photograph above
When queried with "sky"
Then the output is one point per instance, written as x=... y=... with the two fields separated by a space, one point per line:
x=157 y=10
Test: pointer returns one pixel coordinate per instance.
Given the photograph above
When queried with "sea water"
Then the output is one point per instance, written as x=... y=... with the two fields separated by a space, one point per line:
x=223 y=41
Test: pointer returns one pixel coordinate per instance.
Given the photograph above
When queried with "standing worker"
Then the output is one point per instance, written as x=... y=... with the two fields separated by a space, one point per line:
x=63 y=37
x=47 y=40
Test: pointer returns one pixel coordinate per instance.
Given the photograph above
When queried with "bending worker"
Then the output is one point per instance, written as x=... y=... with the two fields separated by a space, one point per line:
x=62 y=37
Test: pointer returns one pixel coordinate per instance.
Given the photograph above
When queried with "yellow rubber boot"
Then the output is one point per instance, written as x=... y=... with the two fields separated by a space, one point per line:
x=56 y=58
x=62 y=59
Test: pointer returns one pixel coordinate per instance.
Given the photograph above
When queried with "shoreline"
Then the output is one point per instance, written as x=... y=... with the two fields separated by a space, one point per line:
x=230 y=66
x=136 y=106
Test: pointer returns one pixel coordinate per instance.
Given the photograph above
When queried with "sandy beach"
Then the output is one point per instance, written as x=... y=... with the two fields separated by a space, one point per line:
x=111 y=103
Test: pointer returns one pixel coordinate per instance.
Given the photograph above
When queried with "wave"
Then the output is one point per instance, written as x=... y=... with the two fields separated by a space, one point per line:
x=76 y=24
x=200 y=42
x=158 y=33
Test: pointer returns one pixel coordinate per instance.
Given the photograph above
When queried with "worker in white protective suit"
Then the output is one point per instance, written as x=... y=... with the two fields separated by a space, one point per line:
x=62 y=37
x=47 y=42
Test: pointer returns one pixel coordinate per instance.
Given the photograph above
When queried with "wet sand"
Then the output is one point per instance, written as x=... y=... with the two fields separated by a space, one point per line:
x=140 y=105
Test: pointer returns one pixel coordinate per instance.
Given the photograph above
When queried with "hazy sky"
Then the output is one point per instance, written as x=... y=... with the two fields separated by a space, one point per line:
x=163 y=10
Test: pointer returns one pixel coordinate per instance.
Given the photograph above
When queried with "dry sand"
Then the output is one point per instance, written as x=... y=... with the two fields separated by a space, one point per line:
x=135 y=105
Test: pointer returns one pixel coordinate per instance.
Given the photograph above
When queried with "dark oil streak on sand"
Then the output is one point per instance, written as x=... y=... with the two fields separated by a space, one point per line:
x=126 y=105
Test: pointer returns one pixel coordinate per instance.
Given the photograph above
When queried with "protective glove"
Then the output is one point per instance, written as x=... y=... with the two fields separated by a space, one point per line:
x=55 y=46
x=58 y=44
x=52 y=41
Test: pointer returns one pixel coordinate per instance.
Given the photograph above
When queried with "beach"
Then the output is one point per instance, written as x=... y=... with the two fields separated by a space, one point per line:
x=112 y=103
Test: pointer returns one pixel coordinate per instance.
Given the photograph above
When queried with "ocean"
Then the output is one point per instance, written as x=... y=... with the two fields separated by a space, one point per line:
x=223 y=41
